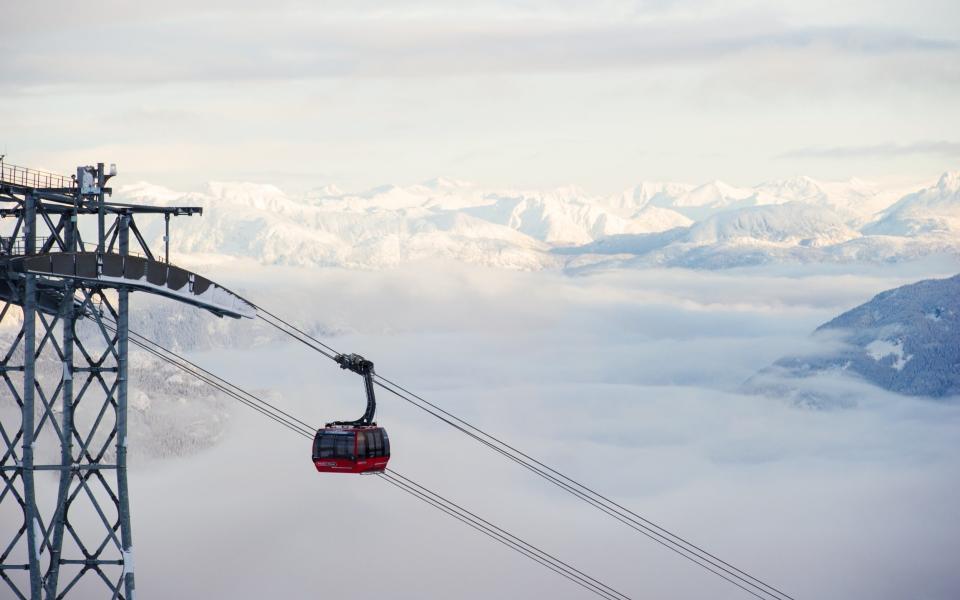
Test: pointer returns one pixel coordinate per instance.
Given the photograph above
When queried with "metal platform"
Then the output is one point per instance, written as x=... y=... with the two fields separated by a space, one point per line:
x=137 y=273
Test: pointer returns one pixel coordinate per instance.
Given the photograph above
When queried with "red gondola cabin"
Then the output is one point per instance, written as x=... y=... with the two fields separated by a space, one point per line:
x=351 y=449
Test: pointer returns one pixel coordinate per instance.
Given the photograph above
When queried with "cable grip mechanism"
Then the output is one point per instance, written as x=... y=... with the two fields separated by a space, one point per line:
x=363 y=367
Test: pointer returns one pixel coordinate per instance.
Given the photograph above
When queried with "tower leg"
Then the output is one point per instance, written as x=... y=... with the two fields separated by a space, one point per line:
x=123 y=333
x=31 y=516
x=67 y=319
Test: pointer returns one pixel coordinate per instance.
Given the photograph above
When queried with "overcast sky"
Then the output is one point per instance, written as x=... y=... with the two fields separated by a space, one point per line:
x=600 y=94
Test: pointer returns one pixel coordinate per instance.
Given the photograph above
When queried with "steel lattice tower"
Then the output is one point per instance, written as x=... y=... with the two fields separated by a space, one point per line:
x=64 y=503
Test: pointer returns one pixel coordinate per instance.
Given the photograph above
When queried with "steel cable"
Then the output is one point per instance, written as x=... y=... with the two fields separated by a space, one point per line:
x=393 y=477
x=674 y=542
x=505 y=540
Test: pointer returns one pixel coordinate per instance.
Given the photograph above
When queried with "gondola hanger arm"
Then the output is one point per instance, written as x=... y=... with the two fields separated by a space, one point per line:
x=364 y=368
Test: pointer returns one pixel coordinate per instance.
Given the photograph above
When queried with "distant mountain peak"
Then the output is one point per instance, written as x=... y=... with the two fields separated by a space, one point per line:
x=798 y=184
x=331 y=190
x=934 y=210
x=445 y=183
x=949 y=182
x=724 y=188
x=233 y=189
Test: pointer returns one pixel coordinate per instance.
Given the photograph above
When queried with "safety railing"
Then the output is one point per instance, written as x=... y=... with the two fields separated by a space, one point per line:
x=33 y=178
x=19 y=247
x=14 y=246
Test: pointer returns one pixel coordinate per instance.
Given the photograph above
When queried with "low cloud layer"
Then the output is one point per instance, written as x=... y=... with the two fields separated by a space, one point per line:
x=626 y=380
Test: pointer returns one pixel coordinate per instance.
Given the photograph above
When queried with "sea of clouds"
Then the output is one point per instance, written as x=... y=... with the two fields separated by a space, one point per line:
x=628 y=380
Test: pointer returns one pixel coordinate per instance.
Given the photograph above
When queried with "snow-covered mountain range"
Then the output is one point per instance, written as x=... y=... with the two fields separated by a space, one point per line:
x=714 y=225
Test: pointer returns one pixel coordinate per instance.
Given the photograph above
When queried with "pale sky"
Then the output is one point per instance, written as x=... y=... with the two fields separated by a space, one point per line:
x=599 y=94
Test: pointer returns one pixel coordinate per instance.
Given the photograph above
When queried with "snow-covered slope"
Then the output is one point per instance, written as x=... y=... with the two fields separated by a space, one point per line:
x=791 y=232
x=906 y=340
x=790 y=224
x=632 y=200
x=706 y=200
x=652 y=219
x=571 y=220
x=856 y=201
x=382 y=230
x=931 y=211
x=714 y=225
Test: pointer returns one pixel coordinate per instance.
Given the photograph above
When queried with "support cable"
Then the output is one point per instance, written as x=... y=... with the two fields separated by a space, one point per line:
x=655 y=532
x=676 y=548
x=302 y=336
x=599 y=589
x=393 y=477
x=261 y=406
x=448 y=502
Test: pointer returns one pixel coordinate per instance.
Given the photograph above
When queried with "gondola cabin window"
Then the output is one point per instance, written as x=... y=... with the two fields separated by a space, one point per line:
x=336 y=445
